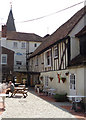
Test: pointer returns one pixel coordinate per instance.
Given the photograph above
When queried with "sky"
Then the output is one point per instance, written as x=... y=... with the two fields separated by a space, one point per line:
x=24 y=10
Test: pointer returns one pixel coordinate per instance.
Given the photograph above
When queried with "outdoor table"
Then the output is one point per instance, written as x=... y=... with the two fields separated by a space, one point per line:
x=21 y=90
x=3 y=95
x=51 y=91
x=75 y=102
x=17 y=84
x=45 y=90
x=21 y=85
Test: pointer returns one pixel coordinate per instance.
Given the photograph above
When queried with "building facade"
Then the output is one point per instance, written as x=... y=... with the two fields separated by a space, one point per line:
x=7 y=64
x=54 y=58
x=23 y=44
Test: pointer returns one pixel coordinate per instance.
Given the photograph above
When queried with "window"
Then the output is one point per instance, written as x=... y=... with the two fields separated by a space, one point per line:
x=48 y=58
x=23 y=46
x=32 y=61
x=15 y=45
x=35 y=45
x=46 y=80
x=4 y=59
x=55 y=52
x=72 y=81
x=18 y=63
x=37 y=60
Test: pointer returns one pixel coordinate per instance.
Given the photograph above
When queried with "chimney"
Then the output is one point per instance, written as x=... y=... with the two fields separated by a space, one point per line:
x=4 y=30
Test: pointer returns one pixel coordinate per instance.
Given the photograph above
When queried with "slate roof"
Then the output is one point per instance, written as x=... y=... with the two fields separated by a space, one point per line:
x=61 y=32
x=20 y=36
x=10 y=22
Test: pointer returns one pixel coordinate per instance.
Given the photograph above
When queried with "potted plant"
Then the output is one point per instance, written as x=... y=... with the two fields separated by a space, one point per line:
x=51 y=78
x=61 y=97
x=67 y=73
x=63 y=79
x=41 y=77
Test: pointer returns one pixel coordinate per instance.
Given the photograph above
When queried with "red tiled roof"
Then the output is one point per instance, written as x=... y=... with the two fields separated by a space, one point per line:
x=20 y=36
x=61 y=32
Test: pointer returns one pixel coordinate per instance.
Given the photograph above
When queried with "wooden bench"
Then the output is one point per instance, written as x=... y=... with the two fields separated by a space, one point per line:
x=20 y=90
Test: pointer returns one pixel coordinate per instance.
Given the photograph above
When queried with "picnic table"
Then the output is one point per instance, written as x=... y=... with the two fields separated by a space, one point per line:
x=20 y=90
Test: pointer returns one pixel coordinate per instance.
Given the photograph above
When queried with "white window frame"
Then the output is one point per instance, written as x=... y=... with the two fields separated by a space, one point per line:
x=55 y=50
x=46 y=81
x=72 y=79
x=23 y=45
x=3 y=55
x=46 y=60
x=15 y=44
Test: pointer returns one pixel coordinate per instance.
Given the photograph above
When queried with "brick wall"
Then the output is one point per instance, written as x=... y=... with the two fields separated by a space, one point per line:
x=10 y=60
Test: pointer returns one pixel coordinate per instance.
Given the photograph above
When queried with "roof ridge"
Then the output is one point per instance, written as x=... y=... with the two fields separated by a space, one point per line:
x=61 y=32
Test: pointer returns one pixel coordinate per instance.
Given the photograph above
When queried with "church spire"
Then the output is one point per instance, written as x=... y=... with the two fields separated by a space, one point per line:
x=10 y=22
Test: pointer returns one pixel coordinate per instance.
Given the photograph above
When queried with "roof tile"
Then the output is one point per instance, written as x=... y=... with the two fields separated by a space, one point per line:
x=62 y=32
x=20 y=36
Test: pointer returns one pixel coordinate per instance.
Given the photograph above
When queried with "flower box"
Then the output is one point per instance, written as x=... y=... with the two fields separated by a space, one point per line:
x=63 y=79
x=51 y=78
x=41 y=78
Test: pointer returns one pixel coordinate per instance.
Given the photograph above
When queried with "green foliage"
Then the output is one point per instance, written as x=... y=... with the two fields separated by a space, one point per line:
x=61 y=97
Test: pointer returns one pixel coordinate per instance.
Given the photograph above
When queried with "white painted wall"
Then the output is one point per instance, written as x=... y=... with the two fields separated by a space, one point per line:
x=60 y=87
x=75 y=50
x=79 y=79
x=3 y=41
x=65 y=87
x=17 y=50
x=31 y=46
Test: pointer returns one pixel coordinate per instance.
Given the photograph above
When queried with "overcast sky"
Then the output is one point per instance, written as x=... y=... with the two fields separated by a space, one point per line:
x=24 y=10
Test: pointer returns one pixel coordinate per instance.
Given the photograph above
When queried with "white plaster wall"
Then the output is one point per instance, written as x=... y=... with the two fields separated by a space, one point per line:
x=31 y=46
x=16 y=50
x=60 y=87
x=75 y=50
x=65 y=87
x=3 y=42
x=78 y=27
x=79 y=79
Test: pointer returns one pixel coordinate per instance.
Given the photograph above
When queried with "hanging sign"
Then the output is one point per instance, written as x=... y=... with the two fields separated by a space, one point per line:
x=18 y=53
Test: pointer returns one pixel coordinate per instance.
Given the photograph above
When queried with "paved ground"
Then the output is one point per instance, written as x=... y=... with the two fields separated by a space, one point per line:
x=33 y=107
